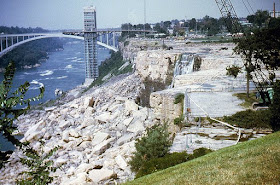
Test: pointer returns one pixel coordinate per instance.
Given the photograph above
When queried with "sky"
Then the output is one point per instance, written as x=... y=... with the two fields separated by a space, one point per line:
x=68 y=14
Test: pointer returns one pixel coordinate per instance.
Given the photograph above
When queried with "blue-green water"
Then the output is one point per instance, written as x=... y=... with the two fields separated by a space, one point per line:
x=63 y=70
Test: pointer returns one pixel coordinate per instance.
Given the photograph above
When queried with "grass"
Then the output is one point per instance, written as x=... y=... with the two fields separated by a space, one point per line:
x=252 y=162
x=248 y=101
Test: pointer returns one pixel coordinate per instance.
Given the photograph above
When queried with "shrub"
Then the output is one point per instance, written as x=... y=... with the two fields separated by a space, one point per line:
x=275 y=108
x=154 y=144
x=200 y=152
x=169 y=160
x=179 y=98
x=150 y=86
x=179 y=121
x=250 y=119
x=126 y=43
x=162 y=163
x=197 y=63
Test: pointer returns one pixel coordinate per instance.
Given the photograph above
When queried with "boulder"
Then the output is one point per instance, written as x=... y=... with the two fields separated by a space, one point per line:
x=102 y=147
x=104 y=117
x=127 y=121
x=99 y=137
x=34 y=133
x=64 y=124
x=130 y=106
x=100 y=175
x=121 y=162
x=84 y=167
x=88 y=121
x=64 y=111
x=74 y=133
x=124 y=139
x=60 y=161
x=136 y=127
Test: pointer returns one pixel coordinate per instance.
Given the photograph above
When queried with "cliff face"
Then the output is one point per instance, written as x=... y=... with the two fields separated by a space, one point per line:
x=156 y=64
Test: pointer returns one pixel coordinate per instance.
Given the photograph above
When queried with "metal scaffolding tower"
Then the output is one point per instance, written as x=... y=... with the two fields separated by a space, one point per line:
x=90 y=35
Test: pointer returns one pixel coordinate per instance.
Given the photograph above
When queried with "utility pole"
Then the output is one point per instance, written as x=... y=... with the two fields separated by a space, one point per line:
x=144 y=18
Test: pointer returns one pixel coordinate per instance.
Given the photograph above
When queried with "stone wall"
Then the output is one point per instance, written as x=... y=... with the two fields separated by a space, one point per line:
x=162 y=103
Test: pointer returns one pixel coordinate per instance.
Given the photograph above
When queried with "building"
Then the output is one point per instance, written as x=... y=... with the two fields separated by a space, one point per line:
x=90 y=36
x=277 y=14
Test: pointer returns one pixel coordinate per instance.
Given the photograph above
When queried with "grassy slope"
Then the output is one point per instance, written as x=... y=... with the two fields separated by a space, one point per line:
x=252 y=162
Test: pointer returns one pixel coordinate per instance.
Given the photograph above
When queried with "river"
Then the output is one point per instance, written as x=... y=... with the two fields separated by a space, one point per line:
x=63 y=70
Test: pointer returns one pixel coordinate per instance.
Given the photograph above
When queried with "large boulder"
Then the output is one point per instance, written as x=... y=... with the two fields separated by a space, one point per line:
x=34 y=133
x=130 y=106
x=104 y=117
x=99 y=137
x=102 y=147
x=136 y=127
x=100 y=175
x=121 y=162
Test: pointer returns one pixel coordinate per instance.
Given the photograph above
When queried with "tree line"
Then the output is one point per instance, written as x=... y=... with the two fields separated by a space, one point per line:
x=207 y=25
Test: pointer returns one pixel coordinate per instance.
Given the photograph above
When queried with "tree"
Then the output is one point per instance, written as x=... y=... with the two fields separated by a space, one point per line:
x=155 y=144
x=261 y=51
x=12 y=105
x=275 y=108
x=192 y=24
x=8 y=102
x=259 y=18
x=210 y=25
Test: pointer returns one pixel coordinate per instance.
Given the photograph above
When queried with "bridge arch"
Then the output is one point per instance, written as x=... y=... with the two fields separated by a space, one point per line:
x=43 y=36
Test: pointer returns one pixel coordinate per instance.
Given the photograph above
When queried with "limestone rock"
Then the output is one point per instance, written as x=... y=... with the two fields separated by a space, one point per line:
x=100 y=175
x=102 y=147
x=34 y=133
x=74 y=133
x=121 y=162
x=136 y=127
x=130 y=106
x=104 y=117
x=127 y=121
x=99 y=137
x=124 y=139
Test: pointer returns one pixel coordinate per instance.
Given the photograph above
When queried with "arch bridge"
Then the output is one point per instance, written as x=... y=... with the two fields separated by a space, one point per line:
x=107 y=39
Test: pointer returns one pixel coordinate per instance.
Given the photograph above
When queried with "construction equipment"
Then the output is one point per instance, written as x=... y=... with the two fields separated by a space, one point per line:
x=263 y=104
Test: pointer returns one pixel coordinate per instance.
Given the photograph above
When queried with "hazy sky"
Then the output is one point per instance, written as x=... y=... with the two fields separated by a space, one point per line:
x=68 y=14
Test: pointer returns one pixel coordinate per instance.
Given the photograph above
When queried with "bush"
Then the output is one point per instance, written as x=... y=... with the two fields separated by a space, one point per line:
x=162 y=163
x=200 y=152
x=250 y=119
x=179 y=98
x=155 y=144
x=179 y=121
x=197 y=63
x=275 y=108
x=150 y=86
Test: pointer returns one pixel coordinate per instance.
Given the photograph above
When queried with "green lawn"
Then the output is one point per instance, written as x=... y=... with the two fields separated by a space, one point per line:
x=252 y=162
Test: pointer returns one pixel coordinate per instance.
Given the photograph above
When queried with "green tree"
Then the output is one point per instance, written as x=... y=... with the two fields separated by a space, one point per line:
x=261 y=53
x=259 y=18
x=192 y=24
x=10 y=100
x=153 y=145
x=11 y=104
x=275 y=108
